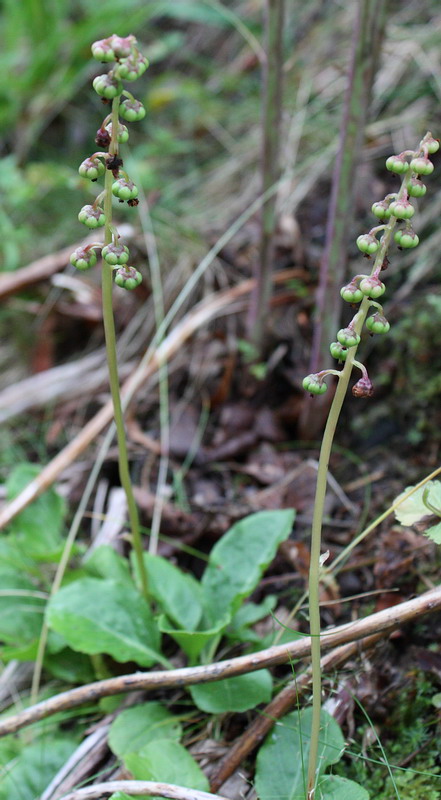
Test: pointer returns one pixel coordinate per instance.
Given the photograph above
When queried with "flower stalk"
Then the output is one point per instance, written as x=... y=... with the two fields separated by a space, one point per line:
x=394 y=209
x=128 y=65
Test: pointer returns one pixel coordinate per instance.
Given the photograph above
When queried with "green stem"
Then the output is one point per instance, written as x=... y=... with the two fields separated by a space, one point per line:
x=112 y=363
x=319 y=502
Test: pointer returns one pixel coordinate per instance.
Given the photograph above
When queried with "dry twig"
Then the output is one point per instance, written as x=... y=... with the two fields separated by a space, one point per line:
x=137 y=788
x=385 y=620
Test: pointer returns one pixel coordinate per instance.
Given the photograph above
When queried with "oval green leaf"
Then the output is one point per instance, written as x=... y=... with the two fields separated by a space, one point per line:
x=103 y=616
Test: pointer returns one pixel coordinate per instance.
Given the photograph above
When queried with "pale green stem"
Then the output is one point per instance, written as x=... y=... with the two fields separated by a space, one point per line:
x=317 y=522
x=112 y=363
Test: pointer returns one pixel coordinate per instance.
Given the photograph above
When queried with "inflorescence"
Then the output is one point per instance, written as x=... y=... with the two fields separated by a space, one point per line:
x=129 y=64
x=395 y=209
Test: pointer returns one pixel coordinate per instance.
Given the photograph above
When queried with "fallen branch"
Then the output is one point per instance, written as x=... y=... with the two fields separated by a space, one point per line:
x=137 y=788
x=385 y=620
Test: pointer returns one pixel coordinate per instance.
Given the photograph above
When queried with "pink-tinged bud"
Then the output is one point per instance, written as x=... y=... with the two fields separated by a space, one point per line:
x=121 y=45
x=363 y=388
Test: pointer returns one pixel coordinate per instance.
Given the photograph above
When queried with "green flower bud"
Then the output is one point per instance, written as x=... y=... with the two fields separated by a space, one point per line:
x=338 y=351
x=377 y=323
x=91 y=168
x=92 y=217
x=416 y=188
x=407 y=239
x=421 y=165
x=83 y=258
x=397 y=164
x=128 y=277
x=351 y=293
x=123 y=133
x=402 y=209
x=102 y=51
x=124 y=189
x=314 y=385
x=132 y=110
x=432 y=145
x=348 y=337
x=107 y=86
x=132 y=68
x=372 y=287
x=115 y=254
x=381 y=210
x=367 y=243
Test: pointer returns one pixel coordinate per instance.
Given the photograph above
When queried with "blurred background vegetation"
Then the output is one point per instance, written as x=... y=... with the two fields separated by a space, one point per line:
x=196 y=154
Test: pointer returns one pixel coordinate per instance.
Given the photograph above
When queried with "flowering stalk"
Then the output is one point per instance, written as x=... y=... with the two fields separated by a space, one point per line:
x=395 y=209
x=129 y=64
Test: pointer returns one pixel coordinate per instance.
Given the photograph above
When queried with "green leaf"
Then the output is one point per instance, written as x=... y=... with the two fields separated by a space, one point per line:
x=178 y=594
x=167 y=761
x=413 y=509
x=282 y=761
x=239 y=559
x=39 y=525
x=70 y=667
x=234 y=694
x=250 y=613
x=138 y=726
x=105 y=562
x=21 y=616
x=192 y=642
x=35 y=767
x=103 y=616
x=333 y=787
x=434 y=533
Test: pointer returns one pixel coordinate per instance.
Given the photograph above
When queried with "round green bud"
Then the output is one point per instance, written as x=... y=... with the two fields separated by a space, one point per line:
x=132 y=110
x=132 y=68
x=123 y=133
x=416 y=188
x=351 y=293
x=377 y=323
x=397 y=164
x=372 y=287
x=124 y=189
x=348 y=337
x=432 y=145
x=408 y=239
x=367 y=243
x=91 y=168
x=102 y=51
x=107 y=86
x=92 y=217
x=115 y=254
x=83 y=258
x=338 y=351
x=381 y=210
x=127 y=277
x=314 y=385
x=402 y=209
x=422 y=166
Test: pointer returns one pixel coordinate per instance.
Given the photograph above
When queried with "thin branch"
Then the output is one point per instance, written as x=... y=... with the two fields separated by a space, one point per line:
x=385 y=620
x=136 y=788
